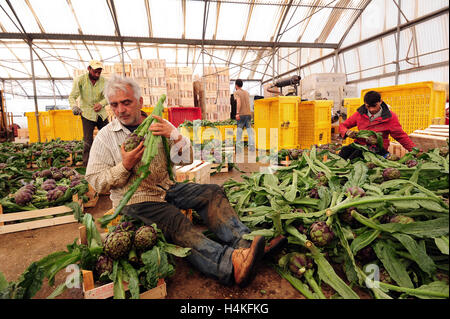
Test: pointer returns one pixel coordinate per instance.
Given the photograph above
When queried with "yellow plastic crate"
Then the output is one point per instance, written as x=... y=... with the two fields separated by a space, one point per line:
x=65 y=125
x=149 y=110
x=281 y=114
x=352 y=104
x=416 y=104
x=45 y=128
x=314 y=123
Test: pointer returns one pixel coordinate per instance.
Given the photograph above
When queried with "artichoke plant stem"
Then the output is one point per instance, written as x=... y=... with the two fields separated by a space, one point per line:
x=313 y=284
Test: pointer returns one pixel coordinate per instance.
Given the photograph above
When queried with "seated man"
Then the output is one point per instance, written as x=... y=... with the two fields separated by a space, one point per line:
x=375 y=116
x=159 y=199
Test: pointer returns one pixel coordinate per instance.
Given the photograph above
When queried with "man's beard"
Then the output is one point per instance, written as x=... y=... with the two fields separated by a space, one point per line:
x=93 y=77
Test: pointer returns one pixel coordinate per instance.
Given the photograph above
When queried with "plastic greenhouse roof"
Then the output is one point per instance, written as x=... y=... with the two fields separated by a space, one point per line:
x=255 y=39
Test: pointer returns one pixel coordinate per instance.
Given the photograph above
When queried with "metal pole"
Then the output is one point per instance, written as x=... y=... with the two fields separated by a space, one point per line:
x=123 y=61
x=397 y=65
x=36 y=111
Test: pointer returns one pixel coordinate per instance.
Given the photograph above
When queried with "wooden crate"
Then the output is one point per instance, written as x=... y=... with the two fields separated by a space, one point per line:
x=214 y=167
x=93 y=291
x=197 y=172
x=93 y=198
x=54 y=212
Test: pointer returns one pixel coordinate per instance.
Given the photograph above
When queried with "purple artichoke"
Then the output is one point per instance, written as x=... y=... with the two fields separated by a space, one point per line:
x=57 y=176
x=145 y=238
x=371 y=165
x=74 y=182
x=3 y=165
x=313 y=193
x=48 y=184
x=320 y=233
x=61 y=188
x=402 y=219
x=299 y=263
x=347 y=216
x=125 y=226
x=355 y=191
x=366 y=255
x=391 y=173
x=132 y=141
x=46 y=173
x=23 y=196
x=372 y=140
x=323 y=180
x=104 y=265
x=54 y=194
x=411 y=163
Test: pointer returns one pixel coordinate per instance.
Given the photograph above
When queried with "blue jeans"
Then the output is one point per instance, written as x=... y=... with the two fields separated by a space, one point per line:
x=209 y=201
x=245 y=121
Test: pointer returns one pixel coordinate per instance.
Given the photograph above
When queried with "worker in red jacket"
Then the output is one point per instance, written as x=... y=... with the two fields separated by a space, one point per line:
x=375 y=116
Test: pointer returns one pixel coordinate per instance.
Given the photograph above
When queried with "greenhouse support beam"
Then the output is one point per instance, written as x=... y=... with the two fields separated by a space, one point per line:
x=386 y=33
x=36 y=111
x=126 y=39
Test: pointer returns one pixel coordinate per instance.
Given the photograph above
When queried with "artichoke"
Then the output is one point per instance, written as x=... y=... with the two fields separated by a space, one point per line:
x=372 y=140
x=313 y=193
x=57 y=176
x=126 y=226
x=443 y=151
x=390 y=173
x=104 y=265
x=61 y=188
x=46 y=173
x=323 y=180
x=393 y=157
x=411 y=163
x=294 y=154
x=145 y=238
x=23 y=196
x=3 y=165
x=347 y=216
x=355 y=191
x=320 y=233
x=118 y=244
x=371 y=165
x=402 y=219
x=74 y=182
x=54 y=194
x=132 y=141
x=299 y=263
x=48 y=185
x=366 y=255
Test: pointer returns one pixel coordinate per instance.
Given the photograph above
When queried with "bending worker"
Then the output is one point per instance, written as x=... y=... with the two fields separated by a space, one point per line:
x=375 y=116
x=159 y=199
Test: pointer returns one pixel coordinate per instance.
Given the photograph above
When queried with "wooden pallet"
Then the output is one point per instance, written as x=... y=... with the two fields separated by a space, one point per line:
x=432 y=137
x=23 y=216
x=93 y=291
x=198 y=172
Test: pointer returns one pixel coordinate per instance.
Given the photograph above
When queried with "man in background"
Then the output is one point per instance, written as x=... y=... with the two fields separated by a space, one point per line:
x=243 y=115
x=89 y=88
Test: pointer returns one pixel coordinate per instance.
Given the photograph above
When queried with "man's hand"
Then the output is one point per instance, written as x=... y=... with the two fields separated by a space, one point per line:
x=162 y=127
x=97 y=107
x=238 y=117
x=131 y=158
x=351 y=134
x=76 y=110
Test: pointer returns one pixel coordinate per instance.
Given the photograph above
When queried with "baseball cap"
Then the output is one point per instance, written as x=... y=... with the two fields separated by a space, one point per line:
x=95 y=64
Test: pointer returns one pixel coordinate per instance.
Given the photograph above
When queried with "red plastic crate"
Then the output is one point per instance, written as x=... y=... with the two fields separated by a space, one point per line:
x=178 y=114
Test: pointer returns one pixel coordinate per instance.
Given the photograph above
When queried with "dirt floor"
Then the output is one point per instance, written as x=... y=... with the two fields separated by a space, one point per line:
x=18 y=250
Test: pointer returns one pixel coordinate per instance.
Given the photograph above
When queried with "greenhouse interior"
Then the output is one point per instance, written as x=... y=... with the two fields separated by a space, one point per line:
x=224 y=149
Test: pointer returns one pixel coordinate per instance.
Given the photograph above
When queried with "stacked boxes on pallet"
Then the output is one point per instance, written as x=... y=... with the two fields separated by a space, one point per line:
x=172 y=86
x=216 y=82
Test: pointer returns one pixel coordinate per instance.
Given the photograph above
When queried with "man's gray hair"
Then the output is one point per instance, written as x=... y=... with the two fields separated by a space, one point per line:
x=117 y=82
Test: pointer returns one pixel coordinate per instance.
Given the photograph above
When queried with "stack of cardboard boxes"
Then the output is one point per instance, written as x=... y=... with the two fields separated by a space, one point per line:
x=213 y=94
x=327 y=86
